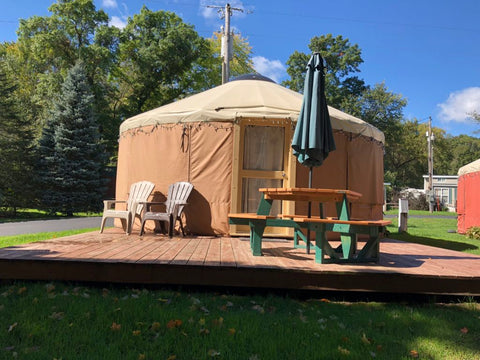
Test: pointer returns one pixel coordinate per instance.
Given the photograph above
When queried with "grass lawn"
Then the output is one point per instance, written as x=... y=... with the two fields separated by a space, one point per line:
x=28 y=238
x=62 y=321
x=436 y=231
x=34 y=214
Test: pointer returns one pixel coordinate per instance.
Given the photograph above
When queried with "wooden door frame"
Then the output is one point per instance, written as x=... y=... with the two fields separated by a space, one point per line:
x=288 y=176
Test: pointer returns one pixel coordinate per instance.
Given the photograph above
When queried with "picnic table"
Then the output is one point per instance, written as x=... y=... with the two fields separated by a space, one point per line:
x=348 y=228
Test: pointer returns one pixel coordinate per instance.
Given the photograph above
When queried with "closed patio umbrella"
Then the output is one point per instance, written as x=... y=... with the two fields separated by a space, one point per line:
x=313 y=137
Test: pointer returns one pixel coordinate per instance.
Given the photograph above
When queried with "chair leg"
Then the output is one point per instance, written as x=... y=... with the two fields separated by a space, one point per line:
x=181 y=226
x=142 y=227
x=103 y=224
x=170 y=226
x=129 y=224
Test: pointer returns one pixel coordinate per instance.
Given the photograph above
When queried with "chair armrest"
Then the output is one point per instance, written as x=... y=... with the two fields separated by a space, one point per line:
x=148 y=204
x=176 y=208
x=110 y=204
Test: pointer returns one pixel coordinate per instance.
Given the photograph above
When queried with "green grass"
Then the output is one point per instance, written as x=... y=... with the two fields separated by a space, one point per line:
x=34 y=214
x=61 y=321
x=423 y=213
x=439 y=232
x=28 y=238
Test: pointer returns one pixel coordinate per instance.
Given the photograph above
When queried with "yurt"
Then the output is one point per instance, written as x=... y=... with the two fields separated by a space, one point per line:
x=468 y=197
x=230 y=141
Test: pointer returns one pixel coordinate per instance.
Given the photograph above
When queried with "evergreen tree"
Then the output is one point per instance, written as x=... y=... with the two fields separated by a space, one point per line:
x=72 y=156
x=16 y=149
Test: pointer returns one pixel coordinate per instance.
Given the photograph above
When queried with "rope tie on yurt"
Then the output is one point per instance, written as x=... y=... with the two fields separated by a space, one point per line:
x=185 y=143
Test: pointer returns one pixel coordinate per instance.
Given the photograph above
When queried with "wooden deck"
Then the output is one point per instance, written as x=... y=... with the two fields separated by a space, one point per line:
x=213 y=261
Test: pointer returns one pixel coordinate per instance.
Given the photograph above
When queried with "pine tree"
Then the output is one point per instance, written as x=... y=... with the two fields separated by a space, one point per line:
x=72 y=156
x=16 y=149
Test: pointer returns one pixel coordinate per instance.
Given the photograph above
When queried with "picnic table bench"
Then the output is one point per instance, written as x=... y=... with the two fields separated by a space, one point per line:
x=348 y=228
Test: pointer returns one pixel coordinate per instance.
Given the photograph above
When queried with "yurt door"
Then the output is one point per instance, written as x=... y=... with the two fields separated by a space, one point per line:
x=261 y=159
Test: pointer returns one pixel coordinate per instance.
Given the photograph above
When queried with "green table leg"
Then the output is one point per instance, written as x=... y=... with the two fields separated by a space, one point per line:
x=371 y=250
x=349 y=245
x=256 y=234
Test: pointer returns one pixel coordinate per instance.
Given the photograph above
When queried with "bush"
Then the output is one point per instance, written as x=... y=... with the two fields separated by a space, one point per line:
x=473 y=233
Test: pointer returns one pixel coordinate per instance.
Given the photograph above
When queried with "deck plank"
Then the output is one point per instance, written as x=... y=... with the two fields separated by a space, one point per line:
x=227 y=261
x=198 y=257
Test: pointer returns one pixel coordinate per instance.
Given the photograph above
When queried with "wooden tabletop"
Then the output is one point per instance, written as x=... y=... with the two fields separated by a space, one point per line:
x=309 y=194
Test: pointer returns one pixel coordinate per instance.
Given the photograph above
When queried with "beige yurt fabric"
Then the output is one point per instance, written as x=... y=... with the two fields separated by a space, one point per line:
x=196 y=139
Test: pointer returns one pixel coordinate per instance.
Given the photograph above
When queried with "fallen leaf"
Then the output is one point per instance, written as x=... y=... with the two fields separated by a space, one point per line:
x=325 y=300
x=218 y=322
x=195 y=301
x=21 y=290
x=57 y=315
x=136 y=332
x=115 y=326
x=155 y=326
x=172 y=357
x=142 y=356
x=13 y=326
x=174 y=324
x=464 y=330
x=343 y=351
x=258 y=308
x=414 y=353
x=232 y=331
x=50 y=288
x=366 y=340
x=201 y=322
x=213 y=353
x=204 y=331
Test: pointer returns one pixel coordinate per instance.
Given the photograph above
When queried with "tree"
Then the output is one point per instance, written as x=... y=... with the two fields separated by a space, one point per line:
x=48 y=46
x=70 y=147
x=16 y=144
x=342 y=59
x=156 y=52
x=457 y=152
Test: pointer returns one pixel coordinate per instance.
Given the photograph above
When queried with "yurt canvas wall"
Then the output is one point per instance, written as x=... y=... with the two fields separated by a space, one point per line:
x=468 y=198
x=235 y=138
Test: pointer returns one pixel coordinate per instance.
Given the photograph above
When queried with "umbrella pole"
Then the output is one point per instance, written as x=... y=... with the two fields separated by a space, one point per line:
x=310 y=176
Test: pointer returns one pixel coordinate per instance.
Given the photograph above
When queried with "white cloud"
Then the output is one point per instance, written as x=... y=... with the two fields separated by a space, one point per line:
x=109 y=4
x=274 y=69
x=460 y=104
x=119 y=22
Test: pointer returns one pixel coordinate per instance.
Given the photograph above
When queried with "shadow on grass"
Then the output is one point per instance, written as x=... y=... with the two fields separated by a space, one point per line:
x=21 y=215
x=445 y=244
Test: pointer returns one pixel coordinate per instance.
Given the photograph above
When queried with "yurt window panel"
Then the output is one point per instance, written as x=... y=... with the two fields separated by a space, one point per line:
x=251 y=195
x=263 y=148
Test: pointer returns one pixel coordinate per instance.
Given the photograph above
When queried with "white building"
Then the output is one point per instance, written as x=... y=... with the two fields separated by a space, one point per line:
x=444 y=190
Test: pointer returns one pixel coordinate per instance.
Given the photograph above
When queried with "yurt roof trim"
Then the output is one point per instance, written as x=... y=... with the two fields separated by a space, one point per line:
x=469 y=168
x=244 y=99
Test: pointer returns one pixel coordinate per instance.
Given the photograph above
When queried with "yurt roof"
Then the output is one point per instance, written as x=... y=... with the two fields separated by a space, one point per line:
x=244 y=99
x=469 y=168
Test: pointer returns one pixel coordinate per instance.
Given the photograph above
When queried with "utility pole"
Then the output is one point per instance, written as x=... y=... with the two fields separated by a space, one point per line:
x=227 y=40
x=430 y=138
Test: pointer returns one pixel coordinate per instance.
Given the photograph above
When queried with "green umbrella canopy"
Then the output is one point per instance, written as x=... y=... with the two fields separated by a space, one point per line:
x=313 y=137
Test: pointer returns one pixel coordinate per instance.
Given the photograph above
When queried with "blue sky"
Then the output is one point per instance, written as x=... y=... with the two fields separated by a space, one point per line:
x=427 y=51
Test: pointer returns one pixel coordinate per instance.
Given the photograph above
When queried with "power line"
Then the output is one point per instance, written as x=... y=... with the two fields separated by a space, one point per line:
x=227 y=42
